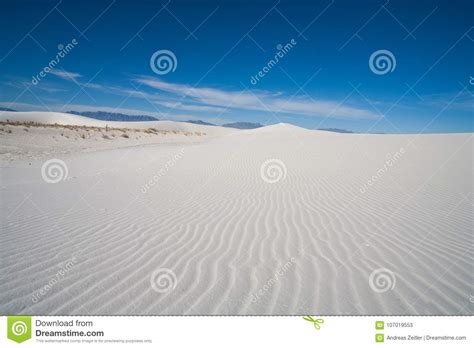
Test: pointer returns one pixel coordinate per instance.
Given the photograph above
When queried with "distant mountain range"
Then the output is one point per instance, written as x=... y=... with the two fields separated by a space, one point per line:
x=242 y=125
x=203 y=123
x=336 y=130
x=112 y=116
x=238 y=125
x=115 y=116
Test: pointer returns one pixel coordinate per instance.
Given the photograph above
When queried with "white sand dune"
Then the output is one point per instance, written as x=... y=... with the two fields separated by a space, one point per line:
x=76 y=120
x=87 y=135
x=301 y=233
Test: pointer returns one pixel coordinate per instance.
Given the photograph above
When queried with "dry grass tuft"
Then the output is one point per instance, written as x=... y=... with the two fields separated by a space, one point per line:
x=151 y=131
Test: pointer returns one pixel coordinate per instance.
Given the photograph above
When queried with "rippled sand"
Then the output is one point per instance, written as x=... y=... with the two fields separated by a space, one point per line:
x=277 y=220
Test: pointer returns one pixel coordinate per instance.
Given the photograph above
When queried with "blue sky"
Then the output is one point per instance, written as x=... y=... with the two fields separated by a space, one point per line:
x=322 y=77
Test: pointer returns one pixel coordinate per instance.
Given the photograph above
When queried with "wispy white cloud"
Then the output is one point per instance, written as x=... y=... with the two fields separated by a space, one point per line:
x=184 y=102
x=462 y=100
x=22 y=84
x=172 y=103
x=217 y=101
x=260 y=101
x=190 y=107
x=22 y=106
x=66 y=75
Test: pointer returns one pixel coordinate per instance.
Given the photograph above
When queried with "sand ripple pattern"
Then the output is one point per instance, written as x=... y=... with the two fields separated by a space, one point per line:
x=212 y=237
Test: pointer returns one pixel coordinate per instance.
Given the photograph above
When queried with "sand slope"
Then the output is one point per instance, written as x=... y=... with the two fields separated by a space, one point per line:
x=76 y=120
x=58 y=134
x=236 y=242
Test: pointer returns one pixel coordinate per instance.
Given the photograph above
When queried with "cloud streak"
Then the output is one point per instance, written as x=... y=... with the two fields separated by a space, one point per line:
x=66 y=75
x=263 y=101
x=173 y=100
x=172 y=103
